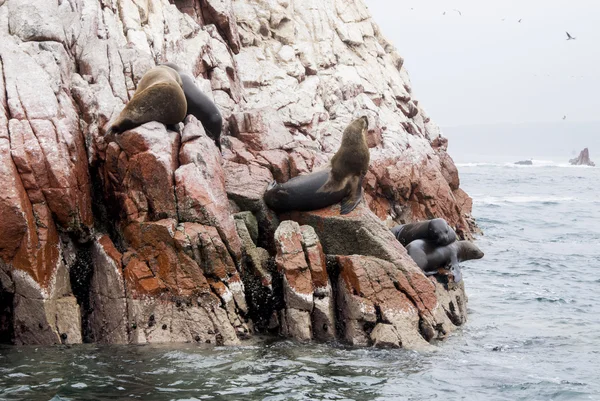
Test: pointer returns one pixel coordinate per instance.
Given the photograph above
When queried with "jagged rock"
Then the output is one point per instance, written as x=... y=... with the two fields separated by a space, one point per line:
x=107 y=323
x=250 y=223
x=385 y=336
x=174 y=252
x=323 y=312
x=256 y=274
x=297 y=282
x=583 y=159
x=362 y=233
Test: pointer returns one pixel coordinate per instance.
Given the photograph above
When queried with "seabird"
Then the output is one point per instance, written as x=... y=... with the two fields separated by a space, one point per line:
x=520 y=20
x=564 y=117
x=457 y=11
x=569 y=37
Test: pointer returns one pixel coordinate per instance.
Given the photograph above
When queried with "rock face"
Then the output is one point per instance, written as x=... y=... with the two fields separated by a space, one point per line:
x=132 y=239
x=583 y=159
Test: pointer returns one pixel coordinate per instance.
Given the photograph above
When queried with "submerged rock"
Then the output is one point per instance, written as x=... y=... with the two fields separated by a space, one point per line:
x=583 y=159
x=132 y=239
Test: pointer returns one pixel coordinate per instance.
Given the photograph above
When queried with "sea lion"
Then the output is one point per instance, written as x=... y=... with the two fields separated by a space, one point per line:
x=200 y=106
x=341 y=181
x=431 y=257
x=436 y=230
x=159 y=97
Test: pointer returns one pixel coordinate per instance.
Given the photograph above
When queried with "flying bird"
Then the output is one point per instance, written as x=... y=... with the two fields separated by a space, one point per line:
x=520 y=20
x=569 y=37
x=444 y=13
x=564 y=117
x=457 y=11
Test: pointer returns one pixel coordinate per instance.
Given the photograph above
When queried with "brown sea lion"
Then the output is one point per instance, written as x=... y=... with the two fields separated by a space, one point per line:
x=436 y=230
x=430 y=257
x=341 y=181
x=200 y=106
x=159 y=97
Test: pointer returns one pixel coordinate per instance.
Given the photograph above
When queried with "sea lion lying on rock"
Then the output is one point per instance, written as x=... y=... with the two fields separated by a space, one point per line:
x=167 y=95
x=200 y=106
x=159 y=97
x=430 y=257
x=436 y=230
x=340 y=182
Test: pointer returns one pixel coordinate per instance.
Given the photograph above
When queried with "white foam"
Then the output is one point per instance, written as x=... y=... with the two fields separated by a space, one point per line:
x=535 y=163
x=496 y=200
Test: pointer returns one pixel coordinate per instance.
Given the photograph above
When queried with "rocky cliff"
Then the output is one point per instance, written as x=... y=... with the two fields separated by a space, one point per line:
x=153 y=236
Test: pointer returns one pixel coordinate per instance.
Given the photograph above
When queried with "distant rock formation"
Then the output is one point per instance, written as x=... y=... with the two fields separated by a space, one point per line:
x=525 y=162
x=583 y=159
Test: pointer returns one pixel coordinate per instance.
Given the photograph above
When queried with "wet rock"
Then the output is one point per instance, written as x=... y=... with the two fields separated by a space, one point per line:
x=385 y=336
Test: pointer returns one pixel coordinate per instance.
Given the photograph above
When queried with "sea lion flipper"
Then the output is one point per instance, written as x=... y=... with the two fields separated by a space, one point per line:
x=456 y=272
x=353 y=198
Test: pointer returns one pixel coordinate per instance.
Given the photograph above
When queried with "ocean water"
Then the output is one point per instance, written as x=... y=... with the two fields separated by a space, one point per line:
x=533 y=331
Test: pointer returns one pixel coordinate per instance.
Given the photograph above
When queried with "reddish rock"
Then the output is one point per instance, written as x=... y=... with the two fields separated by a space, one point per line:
x=260 y=129
x=291 y=262
x=367 y=296
x=422 y=191
x=221 y=14
x=278 y=161
x=323 y=312
x=140 y=168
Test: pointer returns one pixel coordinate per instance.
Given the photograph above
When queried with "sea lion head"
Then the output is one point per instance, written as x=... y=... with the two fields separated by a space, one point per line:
x=441 y=230
x=469 y=251
x=120 y=126
x=359 y=125
x=172 y=65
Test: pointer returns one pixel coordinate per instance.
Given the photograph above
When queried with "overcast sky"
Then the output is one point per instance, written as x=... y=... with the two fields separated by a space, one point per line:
x=478 y=69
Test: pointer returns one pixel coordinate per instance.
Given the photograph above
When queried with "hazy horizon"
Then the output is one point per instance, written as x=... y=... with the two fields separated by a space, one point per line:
x=498 y=143
x=485 y=67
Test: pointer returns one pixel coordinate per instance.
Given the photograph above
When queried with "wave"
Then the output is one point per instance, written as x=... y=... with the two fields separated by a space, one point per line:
x=498 y=200
x=535 y=163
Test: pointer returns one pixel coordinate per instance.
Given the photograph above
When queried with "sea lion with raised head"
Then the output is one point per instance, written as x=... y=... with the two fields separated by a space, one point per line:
x=200 y=106
x=430 y=257
x=436 y=230
x=159 y=97
x=341 y=181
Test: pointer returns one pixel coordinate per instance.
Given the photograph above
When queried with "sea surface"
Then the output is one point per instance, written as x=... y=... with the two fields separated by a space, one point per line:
x=533 y=331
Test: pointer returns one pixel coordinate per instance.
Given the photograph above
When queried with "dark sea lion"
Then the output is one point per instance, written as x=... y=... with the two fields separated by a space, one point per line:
x=341 y=181
x=430 y=257
x=159 y=97
x=436 y=230
x=200 y=106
